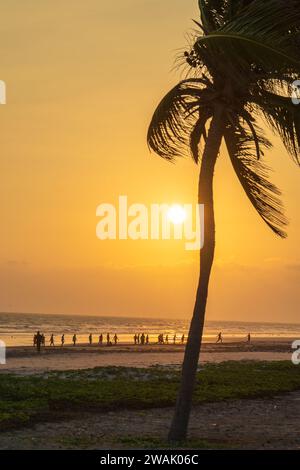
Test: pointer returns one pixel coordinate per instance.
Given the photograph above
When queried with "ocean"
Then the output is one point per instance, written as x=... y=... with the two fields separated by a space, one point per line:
x=17 y=329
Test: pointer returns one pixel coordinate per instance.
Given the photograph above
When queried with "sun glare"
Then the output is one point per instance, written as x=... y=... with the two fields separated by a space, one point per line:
x=176 y=214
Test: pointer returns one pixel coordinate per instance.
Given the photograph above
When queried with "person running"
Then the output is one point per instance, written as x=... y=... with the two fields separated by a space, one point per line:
x=108 y=339
x=249 y=338
x=74 y=339
x=52 y=340
x=91 y=339
x=116 y=339
x=182 y=339
x=62 y=339
x=174 y=339
x=101 y=339
x=38 y=341
x=219 y=338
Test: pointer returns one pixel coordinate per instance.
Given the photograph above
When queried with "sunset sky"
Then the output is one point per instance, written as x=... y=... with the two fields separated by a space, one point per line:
x=83 y=79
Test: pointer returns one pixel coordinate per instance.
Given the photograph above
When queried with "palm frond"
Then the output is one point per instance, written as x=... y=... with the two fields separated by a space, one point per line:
x=216 y=13
x=199 y=132
x=265 y=35
x=169 y=133
x=284 y=118
x=253 y=176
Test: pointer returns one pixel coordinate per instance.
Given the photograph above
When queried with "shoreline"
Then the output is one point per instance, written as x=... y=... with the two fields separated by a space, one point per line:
x=26 y=360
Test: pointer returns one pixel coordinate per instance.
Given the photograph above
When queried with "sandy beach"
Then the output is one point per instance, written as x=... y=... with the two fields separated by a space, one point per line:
x=245 y=401
x=237 y=424
x=26 y=360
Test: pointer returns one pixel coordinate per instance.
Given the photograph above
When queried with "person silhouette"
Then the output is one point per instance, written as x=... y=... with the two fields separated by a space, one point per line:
x=108 y=339
x=91 y=339
x=219 y=338
x=52 y=340
x=249 y=338
x=116 y=338
x=101 y=339
x=62 y=339
x=182 y=339
x=174 y=339
x=39 y=340
x=74 y=339
x=147 y=339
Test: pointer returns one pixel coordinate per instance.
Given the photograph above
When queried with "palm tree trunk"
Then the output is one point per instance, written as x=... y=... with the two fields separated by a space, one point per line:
x=180 y=421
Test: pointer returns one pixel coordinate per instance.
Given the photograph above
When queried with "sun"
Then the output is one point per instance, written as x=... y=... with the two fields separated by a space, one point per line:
x=176 y=214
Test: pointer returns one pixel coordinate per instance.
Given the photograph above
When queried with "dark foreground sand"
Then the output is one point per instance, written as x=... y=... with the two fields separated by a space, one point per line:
x=247 y=424
x=25 y=360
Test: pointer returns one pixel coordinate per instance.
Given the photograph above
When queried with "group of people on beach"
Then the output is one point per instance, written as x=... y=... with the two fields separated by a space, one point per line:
x=165 y=339
x=39 y=339
x=161 y=339
x=143 y=338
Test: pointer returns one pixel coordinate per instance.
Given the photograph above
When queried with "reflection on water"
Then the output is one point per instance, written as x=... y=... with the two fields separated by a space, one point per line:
x=18 y=329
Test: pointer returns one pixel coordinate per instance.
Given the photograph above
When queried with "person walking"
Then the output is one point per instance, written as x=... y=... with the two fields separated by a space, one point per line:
x=62 y=339
x=74 y=339
x=91 y=339
x=101 y=339
x=182 y=339
x=108 y=339
x=219 y=338
x=52 y=340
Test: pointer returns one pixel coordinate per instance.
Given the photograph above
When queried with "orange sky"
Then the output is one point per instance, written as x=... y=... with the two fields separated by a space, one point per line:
x=83 y=79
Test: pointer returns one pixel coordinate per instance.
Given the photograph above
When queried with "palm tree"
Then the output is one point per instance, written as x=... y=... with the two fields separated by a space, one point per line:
x=243 y=61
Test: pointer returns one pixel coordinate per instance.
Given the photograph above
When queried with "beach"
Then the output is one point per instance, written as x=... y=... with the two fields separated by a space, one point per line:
x=247 y=396
x=26 y=360
x=240 y=404
x=237 y=424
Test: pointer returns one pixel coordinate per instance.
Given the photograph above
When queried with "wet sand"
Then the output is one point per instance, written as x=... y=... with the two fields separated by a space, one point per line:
x=26 y=360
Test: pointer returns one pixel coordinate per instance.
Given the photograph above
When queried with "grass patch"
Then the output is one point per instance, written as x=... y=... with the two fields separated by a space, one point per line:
x=59 y=394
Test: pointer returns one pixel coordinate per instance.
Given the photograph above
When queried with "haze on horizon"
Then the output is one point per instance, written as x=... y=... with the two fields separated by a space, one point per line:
x=82 y=83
